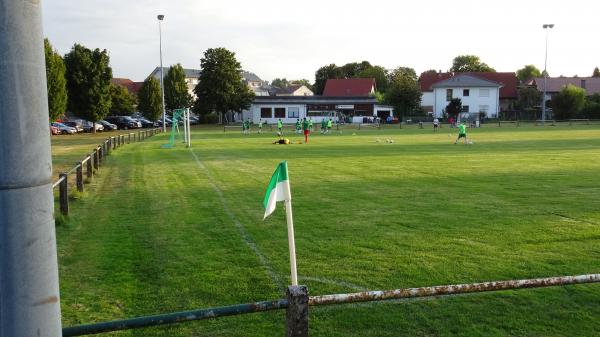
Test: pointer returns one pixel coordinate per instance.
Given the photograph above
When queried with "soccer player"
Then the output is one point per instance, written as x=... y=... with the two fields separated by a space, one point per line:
x=310 y=124
x=329 y=125
x=247 y=126
x=436 y=124
x=298 y=126
x=306 y=129
x=280 y=126
x=462 y=132
x=260 y=126
x=323 y=125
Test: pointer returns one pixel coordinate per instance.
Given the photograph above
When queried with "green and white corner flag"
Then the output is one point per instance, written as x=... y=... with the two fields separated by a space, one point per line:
x=279 y=190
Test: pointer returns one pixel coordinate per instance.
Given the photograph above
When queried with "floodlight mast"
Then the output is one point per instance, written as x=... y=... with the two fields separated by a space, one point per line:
x=29 y=291
x=160 y=17
x=547 y=27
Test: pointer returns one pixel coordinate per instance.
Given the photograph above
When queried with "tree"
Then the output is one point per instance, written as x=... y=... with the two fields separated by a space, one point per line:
x=323 y=74
x=88 y=81
x=122 y=102
x=454 y=107
x=596 y=72
x=220 y=87
x=528 y=97
x=280 y=83
x=528 y=72
x=150 y=99
x=469 y=63
x=380 y=74
x=403 y=92
x=568 y=102
x=176 y=90
x=591 y=108
x=56 y=82
x=353 y=69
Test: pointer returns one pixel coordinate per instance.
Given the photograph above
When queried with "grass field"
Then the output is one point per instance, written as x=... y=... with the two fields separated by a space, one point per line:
x=169 y=230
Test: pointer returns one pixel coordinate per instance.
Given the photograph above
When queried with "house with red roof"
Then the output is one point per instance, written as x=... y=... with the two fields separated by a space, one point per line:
x=132 y=87
x=507 y=96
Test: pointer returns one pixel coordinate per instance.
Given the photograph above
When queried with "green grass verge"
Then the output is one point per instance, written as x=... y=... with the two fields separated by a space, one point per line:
x=160 y=231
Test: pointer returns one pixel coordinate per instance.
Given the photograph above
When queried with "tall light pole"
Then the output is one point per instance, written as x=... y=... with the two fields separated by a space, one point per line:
x=160 y=17
x=547 y=27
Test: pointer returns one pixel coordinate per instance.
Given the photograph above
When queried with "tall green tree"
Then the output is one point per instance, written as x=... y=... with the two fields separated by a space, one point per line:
x=528 y=97
x=88 y=82
x=220 y=88
x=568 y=102
x=527 y=72
x=454 y=107
x=176 y=90
x=56 y=82
x=150 y=99
x=323 y=74
x=403 y=92
x=596 y=72
x=353 y=69
x=469 y=63
x=122 y=101
x=379 y=73
x=280 y=83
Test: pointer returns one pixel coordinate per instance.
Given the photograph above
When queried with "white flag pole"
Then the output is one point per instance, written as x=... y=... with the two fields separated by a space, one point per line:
x=292 y=244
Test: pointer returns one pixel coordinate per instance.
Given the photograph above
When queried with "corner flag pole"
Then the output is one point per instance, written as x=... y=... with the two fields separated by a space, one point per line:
x=292 y=243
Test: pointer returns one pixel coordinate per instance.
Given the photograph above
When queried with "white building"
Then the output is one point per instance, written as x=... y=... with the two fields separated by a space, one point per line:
x=476 y=94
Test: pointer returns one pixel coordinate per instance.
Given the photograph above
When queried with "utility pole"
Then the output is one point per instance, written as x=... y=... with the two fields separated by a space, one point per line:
x=161 y=17
x=547 y=28
x=29 y=292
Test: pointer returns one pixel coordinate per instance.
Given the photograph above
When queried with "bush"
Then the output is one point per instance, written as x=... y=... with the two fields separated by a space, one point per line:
x=209 y=119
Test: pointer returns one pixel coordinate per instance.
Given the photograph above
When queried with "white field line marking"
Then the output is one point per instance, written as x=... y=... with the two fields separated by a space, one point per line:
x=247 y=238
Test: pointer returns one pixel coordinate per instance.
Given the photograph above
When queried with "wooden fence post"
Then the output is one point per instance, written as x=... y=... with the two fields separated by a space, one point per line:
x=96 y=157
x=296 y=316
x=79 y=176
x=129 y=138
x=88 y=169
x=114 y=142
x=63 y=194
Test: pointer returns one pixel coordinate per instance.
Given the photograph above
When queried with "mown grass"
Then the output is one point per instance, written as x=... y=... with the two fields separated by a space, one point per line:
x=164 y=230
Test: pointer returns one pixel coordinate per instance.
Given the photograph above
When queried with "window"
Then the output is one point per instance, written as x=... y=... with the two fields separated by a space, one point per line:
x=279 y=112
x=448 y=95
x=465 y=92
x=484 y=92
x=294 y=112
x=266 y=113
x=465 y=108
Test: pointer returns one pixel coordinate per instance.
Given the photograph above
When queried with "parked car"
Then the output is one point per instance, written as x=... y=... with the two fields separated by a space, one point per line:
x=54 y=130
x=64 y=129
x=145 y=123
x=87 y=126
x=123 y=122
x=76 y=125
x=168 y=122
x=194 y=120
x=107 y=126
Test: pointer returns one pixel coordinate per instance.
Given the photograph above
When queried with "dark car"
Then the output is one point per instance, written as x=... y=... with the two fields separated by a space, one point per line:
x=145 y=123
x=77 y=126
x=123 y=122
x=107 y=126
x=87 y=126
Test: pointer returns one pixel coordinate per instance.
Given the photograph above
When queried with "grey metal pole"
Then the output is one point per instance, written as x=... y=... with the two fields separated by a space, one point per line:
x=29 y=292
x=162 y=86
x=546 y=28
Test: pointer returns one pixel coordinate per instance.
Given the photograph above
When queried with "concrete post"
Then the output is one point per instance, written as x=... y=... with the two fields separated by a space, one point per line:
x=296 y=316
x=29 y=292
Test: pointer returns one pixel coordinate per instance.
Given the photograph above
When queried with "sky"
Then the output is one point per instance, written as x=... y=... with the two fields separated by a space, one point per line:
x=292 y=39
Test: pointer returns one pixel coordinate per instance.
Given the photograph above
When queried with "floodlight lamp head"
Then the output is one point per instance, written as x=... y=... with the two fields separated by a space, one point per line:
x=161 y=17
x=548 y=25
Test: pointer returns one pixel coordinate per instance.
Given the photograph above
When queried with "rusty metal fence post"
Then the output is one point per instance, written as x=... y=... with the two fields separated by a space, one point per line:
x=63 y=193
x=296 y=316
x=79 y=176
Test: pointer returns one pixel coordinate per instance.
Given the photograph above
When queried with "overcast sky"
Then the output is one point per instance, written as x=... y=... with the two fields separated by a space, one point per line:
x=293 y=39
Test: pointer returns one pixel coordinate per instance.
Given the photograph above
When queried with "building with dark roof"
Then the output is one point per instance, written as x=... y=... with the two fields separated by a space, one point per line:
x=508 y=94
x=350 y=87
x=478 y=95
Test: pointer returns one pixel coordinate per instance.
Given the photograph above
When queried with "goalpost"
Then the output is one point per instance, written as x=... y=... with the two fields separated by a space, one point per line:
x=184 y=116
